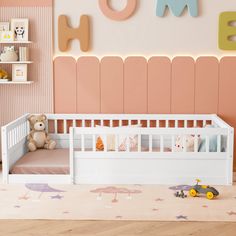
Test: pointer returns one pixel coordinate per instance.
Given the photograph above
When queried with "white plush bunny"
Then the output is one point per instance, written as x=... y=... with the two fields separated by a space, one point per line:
x=179 y=143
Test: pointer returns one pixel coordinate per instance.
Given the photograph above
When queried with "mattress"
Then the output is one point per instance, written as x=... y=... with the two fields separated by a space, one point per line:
x=43 y=162
x=49 y=162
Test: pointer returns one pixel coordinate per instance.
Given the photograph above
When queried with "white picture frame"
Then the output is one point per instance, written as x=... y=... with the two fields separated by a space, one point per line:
x=19 y=72
x=6 y=36
x=4 y=26
x=20 y=29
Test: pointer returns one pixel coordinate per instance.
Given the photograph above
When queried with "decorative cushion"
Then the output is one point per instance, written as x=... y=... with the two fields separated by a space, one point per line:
x=122 y=140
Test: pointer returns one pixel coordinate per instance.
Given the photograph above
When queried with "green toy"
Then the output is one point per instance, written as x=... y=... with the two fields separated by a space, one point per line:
x=203 y=189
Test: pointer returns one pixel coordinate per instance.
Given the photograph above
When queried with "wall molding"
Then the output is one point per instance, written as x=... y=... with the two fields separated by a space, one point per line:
x=26 y=3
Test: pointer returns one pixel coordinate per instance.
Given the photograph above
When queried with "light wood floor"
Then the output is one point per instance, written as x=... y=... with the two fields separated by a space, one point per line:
x=115 y=228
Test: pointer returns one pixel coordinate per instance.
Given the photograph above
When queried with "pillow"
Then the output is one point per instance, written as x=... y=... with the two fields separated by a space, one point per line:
x=122 y=140
x=212 y=142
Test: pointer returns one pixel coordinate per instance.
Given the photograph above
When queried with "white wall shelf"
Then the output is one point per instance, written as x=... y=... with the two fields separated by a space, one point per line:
x=16 y=62
x=16 y=42
x=21 y=83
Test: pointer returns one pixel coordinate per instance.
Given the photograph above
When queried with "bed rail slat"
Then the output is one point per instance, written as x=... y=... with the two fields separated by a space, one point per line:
x=176 y=123
x=55 y=127
x=82 y=143
x=105 y=144
x=128 y=143
x=161 y=143
x=167 y=123
x=185 y=143
x=173 y=143
x=83 y=123
x=94 y=142
x=116 y=143
x=150 y=143
x=139 y=143
x=65 y=126
x=218 y=143
x=207 y=143
x=185 y=123
x=196 y=143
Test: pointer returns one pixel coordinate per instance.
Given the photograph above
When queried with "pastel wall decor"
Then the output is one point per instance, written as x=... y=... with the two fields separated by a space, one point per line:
x=227 y=30
x=118 y=15
x=66 y=33
x=177 y=7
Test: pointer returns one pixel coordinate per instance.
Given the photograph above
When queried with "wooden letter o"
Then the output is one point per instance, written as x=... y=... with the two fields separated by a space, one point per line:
x=118 y=15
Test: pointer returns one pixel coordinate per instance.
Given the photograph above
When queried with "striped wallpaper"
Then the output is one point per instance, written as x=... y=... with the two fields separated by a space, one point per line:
x=16 y=100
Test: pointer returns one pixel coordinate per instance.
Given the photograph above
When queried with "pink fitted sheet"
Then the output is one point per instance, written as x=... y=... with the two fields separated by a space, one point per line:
x=43 y=162
x=52 y=162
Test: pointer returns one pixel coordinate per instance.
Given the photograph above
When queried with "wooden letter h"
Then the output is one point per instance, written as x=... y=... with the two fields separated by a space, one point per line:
x=66 y=33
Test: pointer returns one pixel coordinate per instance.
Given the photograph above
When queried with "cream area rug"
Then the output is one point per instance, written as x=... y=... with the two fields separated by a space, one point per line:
x=133 y=202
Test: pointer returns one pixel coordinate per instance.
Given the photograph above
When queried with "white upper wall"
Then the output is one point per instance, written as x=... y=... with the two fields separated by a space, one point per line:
x=145 y=33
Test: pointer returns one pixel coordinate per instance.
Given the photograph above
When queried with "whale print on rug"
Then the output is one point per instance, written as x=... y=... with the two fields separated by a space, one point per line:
x=41 y=188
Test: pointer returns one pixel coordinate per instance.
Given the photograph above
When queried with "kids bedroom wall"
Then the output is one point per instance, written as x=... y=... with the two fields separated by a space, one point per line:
x=144 y=62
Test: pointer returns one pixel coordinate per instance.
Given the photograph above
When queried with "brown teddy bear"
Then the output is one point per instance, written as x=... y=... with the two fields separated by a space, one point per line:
x=38 y=137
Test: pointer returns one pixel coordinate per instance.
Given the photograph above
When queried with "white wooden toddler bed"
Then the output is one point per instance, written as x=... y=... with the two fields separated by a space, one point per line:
x=122 y=149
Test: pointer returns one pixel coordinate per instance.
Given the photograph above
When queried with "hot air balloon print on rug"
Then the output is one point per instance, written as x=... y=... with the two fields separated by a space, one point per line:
x=115 y=191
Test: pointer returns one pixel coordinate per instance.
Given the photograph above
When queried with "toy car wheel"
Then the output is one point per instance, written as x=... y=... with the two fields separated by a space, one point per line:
x=210 y=195
x=192 y=192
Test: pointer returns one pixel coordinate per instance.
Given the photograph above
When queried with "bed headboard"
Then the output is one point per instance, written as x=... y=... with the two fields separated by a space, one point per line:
x=138 y=85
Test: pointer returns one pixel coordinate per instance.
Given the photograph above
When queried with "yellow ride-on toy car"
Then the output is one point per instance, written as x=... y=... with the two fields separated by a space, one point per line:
x=204 y=189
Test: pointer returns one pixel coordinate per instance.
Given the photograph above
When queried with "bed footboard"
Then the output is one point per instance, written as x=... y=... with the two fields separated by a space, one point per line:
x=154 y=164
x=14 y=137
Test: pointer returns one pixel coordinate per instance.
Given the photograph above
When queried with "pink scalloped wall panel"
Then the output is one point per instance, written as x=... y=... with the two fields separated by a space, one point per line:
x=158 y=85
x=227 y=94
x=65 y=70
x=135 y=85
x=112 y=85
x=182 y=86
x=206 y=85
x=88 y=85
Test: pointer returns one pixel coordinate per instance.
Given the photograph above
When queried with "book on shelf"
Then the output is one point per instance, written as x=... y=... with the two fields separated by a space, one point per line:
x=23 y=54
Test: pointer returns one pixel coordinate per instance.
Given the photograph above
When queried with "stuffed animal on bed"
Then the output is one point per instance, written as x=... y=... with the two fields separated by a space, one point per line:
x=179 y=143
x=38 y=137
